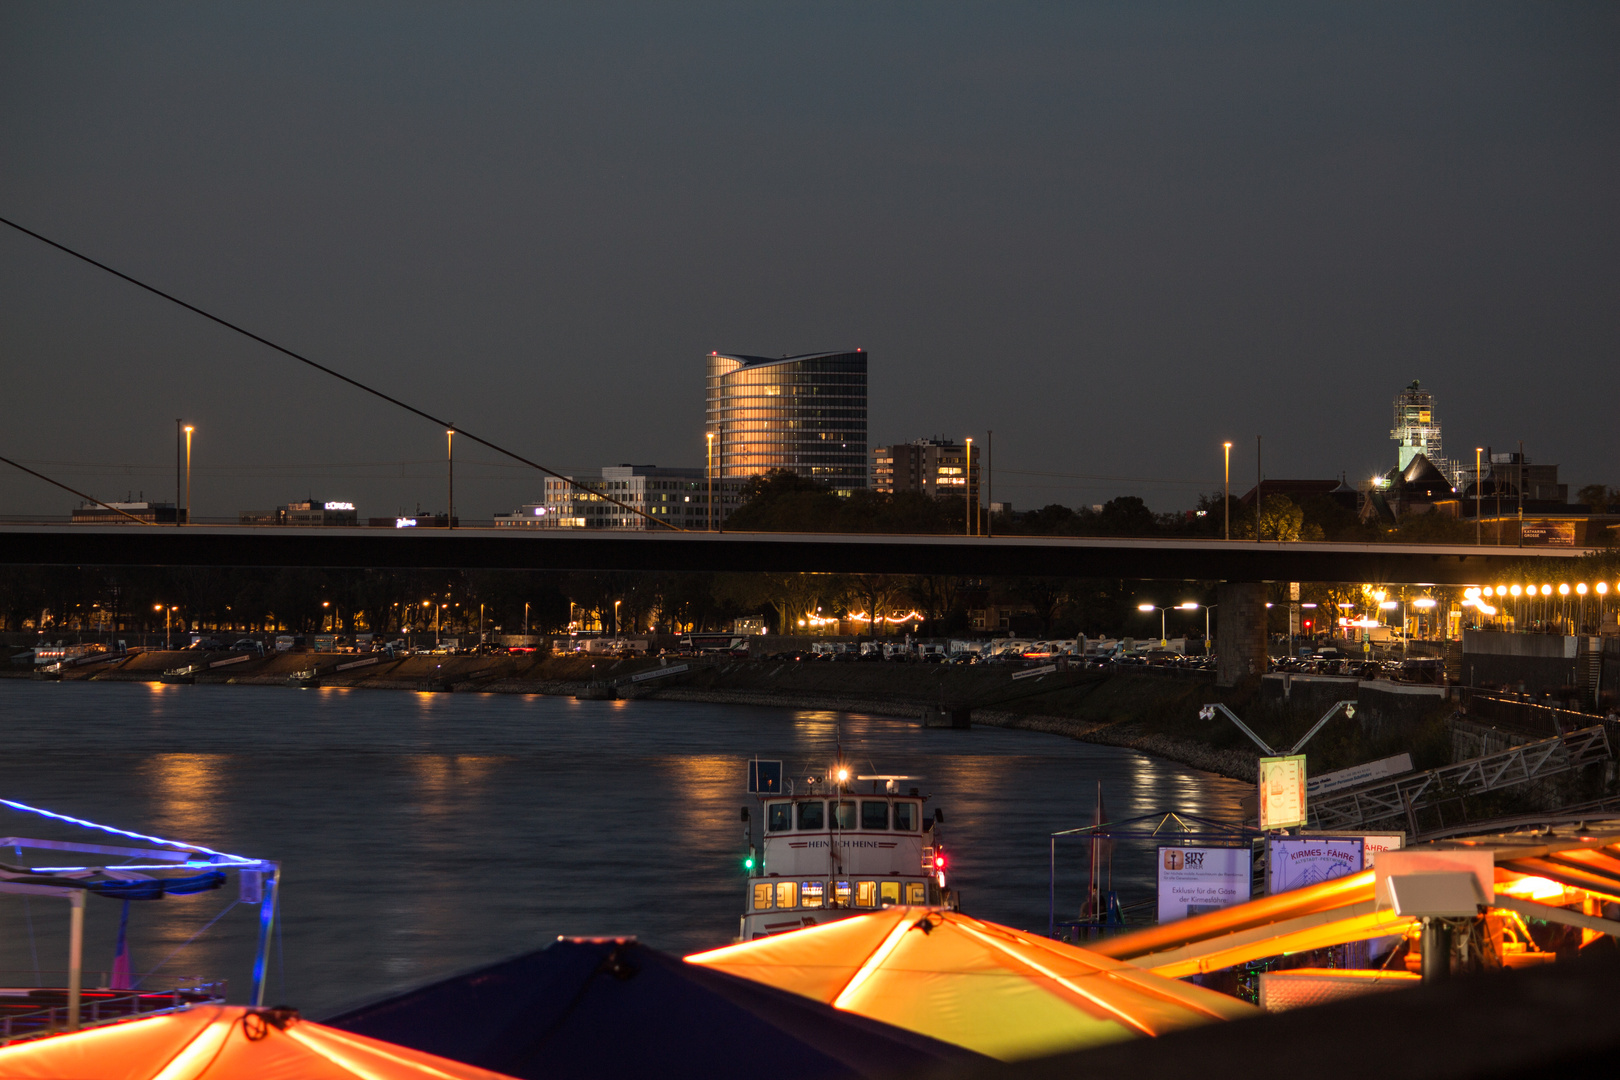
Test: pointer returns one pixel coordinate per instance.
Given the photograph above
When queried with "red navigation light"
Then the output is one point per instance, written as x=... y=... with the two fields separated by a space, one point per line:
x=939 y=862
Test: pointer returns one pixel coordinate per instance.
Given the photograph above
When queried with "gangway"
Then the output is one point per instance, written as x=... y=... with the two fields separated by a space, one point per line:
x=1398 y=801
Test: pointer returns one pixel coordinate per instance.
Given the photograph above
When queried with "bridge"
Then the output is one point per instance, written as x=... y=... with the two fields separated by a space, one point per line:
x=1144 y=559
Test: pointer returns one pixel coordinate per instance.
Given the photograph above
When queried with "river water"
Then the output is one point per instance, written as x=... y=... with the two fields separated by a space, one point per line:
x=422 y=834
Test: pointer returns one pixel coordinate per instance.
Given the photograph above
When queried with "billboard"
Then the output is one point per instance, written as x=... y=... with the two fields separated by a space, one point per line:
x=1551 y=533
x=1295 y=862
x=1193 y=880
x=1282 y=792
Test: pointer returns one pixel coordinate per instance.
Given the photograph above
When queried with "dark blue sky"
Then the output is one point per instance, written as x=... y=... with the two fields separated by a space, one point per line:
x=1115 y=234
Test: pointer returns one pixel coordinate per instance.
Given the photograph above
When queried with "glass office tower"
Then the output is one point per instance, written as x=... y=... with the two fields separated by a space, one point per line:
x=804 y=413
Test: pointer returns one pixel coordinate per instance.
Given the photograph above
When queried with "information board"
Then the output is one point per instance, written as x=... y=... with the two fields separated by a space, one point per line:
x=1295 y=862
x=1193 y=880
x=1282 y=792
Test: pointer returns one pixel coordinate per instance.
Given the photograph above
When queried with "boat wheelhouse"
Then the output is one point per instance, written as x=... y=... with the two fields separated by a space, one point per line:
x=842 y=845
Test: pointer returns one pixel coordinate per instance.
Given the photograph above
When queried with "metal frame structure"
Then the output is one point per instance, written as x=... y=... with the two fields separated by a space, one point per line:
x=1188 y=827
x=128 y=863
x=1399 y=800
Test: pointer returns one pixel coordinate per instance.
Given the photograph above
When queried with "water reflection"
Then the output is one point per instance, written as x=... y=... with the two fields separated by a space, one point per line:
x=421 y=834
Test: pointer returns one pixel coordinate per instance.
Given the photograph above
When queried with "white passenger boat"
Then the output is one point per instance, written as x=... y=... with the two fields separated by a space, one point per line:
x=836 y=845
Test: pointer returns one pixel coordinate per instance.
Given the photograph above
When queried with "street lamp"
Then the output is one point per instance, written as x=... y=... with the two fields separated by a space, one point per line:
x=1479 y=494
x=616 y=604
x=189 y=430
x=450 y=460
x=167 y=609
x=967 y=490
x=1193 y=605
x=708 y=476
x=1226 y=493
x=1163 y=640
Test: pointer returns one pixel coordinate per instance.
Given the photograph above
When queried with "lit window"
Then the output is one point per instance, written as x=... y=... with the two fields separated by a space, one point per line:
x=866 y=894
x=841 y=894
x=779 y=817
x=762 y=895
x=916 y=892
x=889 y=892
x=810 y=893
x=787 y=894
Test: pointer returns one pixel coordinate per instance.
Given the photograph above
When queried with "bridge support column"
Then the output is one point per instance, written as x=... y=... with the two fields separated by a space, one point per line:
x=1240 y=638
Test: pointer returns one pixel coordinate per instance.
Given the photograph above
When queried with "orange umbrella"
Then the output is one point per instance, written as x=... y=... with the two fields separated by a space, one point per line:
x=222 y=1041
x=980 y=985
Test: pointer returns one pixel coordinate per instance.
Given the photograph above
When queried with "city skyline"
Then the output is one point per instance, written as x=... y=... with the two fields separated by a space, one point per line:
x=1116 y=238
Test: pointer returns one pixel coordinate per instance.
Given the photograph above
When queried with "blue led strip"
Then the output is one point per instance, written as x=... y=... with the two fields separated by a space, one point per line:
x=237 y=860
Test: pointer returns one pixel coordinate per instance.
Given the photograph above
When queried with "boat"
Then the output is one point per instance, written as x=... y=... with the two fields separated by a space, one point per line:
x=837 y=845
x=132 y=868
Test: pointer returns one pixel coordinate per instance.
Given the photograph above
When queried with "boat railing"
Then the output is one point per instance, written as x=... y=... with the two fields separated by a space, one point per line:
x=28 y=1012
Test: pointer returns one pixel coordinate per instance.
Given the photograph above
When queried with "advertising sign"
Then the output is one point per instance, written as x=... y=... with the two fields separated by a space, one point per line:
x=1294 y=863
x=1282 y=792
x=1552 y=533
x=1193 y=880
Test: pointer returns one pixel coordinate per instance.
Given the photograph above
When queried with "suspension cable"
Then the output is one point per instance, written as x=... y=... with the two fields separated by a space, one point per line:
x=80 y=494
x=356 y=383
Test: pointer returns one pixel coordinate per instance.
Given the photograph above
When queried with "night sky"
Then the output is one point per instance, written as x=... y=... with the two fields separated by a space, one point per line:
x=1115 y=234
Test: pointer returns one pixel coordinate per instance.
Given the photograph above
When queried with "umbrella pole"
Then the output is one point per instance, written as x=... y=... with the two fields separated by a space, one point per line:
x=75 y=955
x=267 y=922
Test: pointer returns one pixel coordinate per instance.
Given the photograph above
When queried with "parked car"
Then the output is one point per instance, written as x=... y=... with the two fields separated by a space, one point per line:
x=248 y=645
x=207 y=644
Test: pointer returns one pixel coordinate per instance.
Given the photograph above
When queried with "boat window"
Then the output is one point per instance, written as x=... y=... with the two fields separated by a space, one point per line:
x=787 y=894
x=889 y=892
x=844 y=814
x=780 y=817
x=905 y=816
x=810 y=816
x=874 y=815
x=916 y=892
x=810 y=893
x=841 y=894
x=762 y=895
x=866 y=894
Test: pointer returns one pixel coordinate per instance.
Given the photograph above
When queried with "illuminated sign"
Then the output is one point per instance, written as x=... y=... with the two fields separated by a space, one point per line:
x=339 y=506
x=1193 y=880
x=404 y=523
x=1296 y=863
x=1282 y=792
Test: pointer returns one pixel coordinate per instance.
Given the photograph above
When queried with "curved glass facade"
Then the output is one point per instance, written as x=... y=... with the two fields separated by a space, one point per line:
x=804 y=413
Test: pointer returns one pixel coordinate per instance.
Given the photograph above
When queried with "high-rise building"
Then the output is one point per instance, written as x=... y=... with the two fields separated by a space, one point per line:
x=806 y=414
x=932 y=466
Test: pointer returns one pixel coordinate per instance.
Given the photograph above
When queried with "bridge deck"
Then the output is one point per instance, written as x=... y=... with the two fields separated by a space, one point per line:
x=487 y=548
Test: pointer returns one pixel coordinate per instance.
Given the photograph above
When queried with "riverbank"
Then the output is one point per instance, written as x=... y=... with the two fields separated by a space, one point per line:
x=1153 y=712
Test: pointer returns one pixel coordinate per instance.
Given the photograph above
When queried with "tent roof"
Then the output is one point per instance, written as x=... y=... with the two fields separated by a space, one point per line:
x=614 y=1008
x=983 y=986
x=218 y=1042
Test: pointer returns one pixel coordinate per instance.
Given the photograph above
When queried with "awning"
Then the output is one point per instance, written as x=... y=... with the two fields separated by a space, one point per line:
x=977 y=984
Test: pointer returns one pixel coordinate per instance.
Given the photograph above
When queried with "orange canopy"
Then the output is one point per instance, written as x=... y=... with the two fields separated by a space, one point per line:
x=221 y=1041
x=986 y=987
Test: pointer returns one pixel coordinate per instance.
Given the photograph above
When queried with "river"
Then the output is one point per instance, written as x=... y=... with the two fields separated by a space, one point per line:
x=422 y=834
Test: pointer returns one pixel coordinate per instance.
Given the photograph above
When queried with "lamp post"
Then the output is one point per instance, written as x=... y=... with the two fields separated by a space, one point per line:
x=525 y=622
x=189 y=430
x=708 y=475
x=1479 y=495
x=167 y=609
x=967 y=490
x=1163 y=640
x=1193 y=605
x=616 y=604
x=1226 y=494
x=1425 y=604
x=450 y=461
